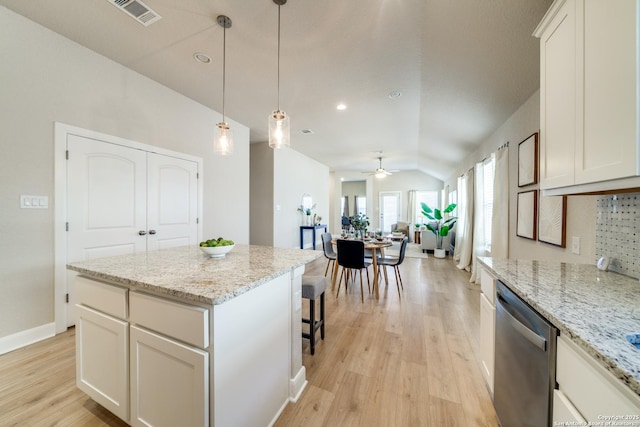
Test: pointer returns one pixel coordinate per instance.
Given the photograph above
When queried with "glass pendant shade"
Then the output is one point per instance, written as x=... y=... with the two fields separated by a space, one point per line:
x=223 y=140
x=380 y=175
x=279 y=130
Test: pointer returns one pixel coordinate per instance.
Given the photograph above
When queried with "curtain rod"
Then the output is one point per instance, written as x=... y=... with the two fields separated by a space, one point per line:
x=505 y=145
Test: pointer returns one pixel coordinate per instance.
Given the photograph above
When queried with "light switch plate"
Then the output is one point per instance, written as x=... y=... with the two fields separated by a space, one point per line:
x=34 y=202
x=575 y=245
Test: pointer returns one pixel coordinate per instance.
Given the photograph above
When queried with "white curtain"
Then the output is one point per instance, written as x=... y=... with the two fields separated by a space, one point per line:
x=464 y=227
x=500 y=217
x=411 y=208
x=478 y=223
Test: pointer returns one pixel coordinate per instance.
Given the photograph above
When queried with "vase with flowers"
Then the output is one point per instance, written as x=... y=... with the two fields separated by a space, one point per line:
x=308 y=212
x=360 y=222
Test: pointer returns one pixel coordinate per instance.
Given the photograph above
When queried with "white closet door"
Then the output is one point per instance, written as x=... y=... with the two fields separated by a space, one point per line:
x=106 y=203
x=172 y=207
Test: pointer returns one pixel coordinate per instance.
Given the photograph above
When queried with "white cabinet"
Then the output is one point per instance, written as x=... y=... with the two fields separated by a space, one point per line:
x=587 y=391
x=588 y=100
x=487 y=327
x=169 y=374
x=144 y=358
x=102 y=347
x=169 y=381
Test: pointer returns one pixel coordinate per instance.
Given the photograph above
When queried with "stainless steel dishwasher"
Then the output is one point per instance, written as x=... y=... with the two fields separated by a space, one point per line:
x=525 y=362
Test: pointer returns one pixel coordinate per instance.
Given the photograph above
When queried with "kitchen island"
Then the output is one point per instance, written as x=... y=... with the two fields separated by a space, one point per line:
x=175 y=337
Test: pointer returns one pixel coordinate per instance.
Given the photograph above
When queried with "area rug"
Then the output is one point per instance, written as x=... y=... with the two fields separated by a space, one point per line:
x=413 y=251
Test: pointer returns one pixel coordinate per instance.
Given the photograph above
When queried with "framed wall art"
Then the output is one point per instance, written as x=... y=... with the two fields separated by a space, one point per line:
x=552 y=218
x=528 y=161
x=526 y=211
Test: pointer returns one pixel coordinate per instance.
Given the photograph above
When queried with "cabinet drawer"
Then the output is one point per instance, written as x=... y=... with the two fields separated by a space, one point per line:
x=592 y=389
x=103 y=297
x=184 y=322
x=564 y=411
x=488 y=286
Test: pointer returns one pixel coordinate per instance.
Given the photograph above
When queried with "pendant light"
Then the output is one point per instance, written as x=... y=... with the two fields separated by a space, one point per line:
x=223 y=139
x=279 y=120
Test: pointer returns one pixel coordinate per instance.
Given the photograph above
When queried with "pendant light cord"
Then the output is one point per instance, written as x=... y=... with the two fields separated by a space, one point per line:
x=224 y=67
x=278 y=57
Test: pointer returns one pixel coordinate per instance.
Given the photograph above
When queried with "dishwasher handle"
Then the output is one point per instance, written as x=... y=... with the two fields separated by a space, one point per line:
x=527 y=333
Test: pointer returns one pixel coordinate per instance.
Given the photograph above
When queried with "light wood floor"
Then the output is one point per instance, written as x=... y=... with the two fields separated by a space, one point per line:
x=393 y=362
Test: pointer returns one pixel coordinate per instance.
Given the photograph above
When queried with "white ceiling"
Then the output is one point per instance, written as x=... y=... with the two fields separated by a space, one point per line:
x=463 y=67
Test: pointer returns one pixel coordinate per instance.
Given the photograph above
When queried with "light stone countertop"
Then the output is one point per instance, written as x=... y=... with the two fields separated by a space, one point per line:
x=593 y=308
x=188 y=273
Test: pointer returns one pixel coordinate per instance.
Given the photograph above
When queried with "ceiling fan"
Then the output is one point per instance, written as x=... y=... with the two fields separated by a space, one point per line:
x=382 y=172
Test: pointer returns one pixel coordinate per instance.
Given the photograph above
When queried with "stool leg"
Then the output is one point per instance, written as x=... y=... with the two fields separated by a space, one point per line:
x=322 y=315
x=312 y=329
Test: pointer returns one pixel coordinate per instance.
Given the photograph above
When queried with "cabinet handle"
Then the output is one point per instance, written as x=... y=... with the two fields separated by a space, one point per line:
x=152 y=231
x=142 y=232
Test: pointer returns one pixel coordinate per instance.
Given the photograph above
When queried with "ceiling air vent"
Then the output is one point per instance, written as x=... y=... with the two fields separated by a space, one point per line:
x=137 y=10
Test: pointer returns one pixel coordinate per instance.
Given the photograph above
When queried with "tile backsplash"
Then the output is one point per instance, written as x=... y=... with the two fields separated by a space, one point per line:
x=618 y=232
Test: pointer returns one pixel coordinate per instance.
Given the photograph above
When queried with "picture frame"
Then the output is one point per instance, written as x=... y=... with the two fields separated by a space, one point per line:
x=528 y=161
x=552 y=220
x=526 y=225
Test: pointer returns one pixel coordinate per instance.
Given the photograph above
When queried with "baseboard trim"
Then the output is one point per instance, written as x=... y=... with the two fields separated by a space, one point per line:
x=24 y=338
x=297 y=385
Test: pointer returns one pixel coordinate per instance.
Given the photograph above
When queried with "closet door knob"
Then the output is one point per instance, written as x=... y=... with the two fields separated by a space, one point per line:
x=152 y=231
x=142 y=232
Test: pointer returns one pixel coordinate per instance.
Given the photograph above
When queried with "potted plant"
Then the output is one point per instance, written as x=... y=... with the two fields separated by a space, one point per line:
x=360 y=222
x=307 y=211
x=439 y=226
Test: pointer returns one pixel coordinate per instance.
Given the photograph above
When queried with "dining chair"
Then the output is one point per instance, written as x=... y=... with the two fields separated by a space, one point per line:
x=329 y=253
x=383 y=262
x=350 y=258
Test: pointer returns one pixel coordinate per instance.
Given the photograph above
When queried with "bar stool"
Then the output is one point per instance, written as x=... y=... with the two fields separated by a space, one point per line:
x=312 y=288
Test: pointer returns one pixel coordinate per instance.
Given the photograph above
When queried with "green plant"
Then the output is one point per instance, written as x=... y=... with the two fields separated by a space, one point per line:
x=359 y=222
x=306 y=211
x=442 y=226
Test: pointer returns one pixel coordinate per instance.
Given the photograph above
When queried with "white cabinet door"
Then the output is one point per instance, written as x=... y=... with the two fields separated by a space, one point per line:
x=558 y=88
x=609 y=148
x=172 y=202
x=169 y=382
x=122 y=200
x=106 y=203
x=487 y=339
x=101 y=359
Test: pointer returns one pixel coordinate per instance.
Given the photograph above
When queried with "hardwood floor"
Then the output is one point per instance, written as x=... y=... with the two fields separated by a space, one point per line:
x=392 y=362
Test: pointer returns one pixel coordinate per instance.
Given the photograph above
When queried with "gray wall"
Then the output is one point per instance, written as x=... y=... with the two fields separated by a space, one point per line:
x=580 y=209
x=45 y=78
x=262 y=205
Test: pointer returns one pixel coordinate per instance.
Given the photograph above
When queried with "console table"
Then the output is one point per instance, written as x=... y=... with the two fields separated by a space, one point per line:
x=313 y=229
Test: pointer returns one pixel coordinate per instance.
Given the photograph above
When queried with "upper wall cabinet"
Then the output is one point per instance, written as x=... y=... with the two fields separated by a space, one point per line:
x=588 y=96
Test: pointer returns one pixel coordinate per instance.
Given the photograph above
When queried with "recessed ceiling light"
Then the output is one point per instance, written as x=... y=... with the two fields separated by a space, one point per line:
x=341 y=107
x=202 y=57
x=306 y=131
x=395 y=94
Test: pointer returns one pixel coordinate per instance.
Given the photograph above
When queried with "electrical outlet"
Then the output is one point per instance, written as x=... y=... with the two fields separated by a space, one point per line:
x=575 y=245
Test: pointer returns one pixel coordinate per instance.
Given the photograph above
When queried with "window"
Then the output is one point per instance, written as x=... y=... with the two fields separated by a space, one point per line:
x=431 y=198
x=361 y=203
x=453 y=197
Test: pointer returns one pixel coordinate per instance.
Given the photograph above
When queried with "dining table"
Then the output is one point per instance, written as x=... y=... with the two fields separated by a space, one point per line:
x=374 y=245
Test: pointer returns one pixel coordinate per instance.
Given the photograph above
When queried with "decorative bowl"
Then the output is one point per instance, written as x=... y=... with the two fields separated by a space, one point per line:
x=217 y=251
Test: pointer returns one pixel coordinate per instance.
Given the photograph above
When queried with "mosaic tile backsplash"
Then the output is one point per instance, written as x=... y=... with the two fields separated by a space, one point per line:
x=618 y=232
